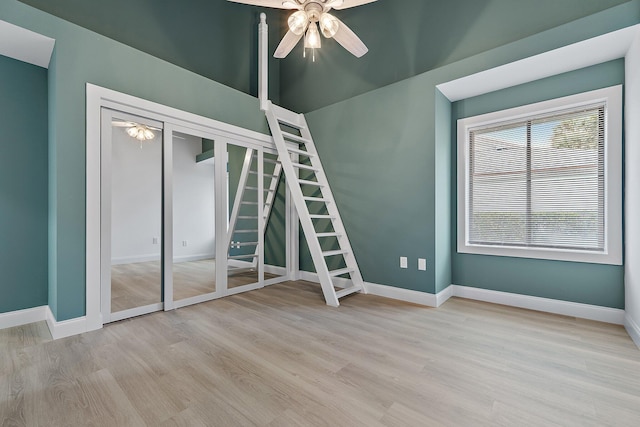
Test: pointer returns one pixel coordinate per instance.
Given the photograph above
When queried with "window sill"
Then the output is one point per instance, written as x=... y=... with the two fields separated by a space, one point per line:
x=611 y=257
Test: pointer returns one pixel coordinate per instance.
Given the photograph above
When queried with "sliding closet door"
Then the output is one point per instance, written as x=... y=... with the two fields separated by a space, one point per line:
x=192 y=195
x=131 y=217
x=245 y=237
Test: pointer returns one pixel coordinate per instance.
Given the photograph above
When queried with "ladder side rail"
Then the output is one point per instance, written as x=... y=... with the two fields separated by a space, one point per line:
x=258 y=262
x=263 y=62
x=300 y=204
x=332 y=209
x=242 y=183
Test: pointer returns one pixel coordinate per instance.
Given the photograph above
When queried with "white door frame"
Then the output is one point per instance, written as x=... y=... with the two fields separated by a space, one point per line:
x=97 y=98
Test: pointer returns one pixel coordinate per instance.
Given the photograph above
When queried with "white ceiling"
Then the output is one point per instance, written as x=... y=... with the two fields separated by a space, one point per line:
x=589 y=52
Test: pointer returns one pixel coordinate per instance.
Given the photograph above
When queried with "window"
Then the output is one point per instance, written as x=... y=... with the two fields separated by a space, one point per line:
x=544 y=180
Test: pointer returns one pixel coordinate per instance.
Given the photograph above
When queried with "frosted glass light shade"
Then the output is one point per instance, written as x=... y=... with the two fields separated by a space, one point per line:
x=298 y=22
x=328 y=25
x=312 y=38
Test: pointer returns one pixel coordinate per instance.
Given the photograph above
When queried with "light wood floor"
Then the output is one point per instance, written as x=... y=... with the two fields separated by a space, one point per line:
x=139 y=284
x=280 y=357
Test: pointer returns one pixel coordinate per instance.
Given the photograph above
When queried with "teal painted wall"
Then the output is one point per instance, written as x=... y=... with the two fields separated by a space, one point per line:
x=216 y=39
x=387 y=154
x=82 y=56
x=595 y=284
x=419 y=36
x=382 y=149
x=23 y=185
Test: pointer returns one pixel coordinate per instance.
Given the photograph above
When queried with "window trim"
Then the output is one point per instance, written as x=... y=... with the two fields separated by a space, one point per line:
x=612 y=253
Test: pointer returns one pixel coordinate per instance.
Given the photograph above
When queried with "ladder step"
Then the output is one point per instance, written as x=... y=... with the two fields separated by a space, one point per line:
x=331 y=234
x=316 y=199
x=296 y=138
x=240 y=244
x=307 y=167
x=298 y=151
x=333 y=253
x=264 y=174
x=305 y=182
x=251 y=188
x=273 y=162
x=242 y=256
x=249 y=203
x=348 y=291
x=340 y=272
x=245 y=231
x=322 y=217
x=247 y=217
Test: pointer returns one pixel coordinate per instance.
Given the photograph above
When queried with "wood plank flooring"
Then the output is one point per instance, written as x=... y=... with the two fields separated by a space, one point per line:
x=280 y=357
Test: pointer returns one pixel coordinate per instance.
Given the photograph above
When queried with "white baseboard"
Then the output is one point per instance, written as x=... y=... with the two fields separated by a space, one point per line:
x=632 y=329
x=339 y=282
x=565 y=308
x=416 y=297
x=156 y=257
x=444 y=295
x=273 y=269
x=23 y=317
x=65 y=328
x=189 y=258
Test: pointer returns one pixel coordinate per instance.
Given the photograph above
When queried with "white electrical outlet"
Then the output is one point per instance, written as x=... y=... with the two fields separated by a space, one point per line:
x=155 y=240
x=422 y=264
x=184 y=243
x=404 y=262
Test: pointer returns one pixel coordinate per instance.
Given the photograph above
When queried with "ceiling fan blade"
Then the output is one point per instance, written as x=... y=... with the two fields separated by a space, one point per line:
x=346 y=4
x=278 y=4
x=122 y=124
x=287 y=44
x=349 y=40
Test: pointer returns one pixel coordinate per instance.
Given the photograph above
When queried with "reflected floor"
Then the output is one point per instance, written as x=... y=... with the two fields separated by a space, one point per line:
x=137 y=285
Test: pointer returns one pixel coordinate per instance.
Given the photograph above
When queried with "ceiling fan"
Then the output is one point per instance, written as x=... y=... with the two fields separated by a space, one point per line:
x=312 y=14
x=138 y=131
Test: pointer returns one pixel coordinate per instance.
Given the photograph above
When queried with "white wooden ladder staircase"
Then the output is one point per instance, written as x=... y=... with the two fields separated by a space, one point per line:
x=314 y=202
x=244 y=224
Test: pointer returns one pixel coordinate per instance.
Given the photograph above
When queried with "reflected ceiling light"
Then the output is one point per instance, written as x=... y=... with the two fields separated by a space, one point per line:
x=141 y=133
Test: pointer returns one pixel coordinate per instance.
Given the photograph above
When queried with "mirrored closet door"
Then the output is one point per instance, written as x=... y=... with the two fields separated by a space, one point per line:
x=131 y=200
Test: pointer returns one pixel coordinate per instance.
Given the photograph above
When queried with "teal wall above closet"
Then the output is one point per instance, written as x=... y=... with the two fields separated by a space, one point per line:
x=216 y=39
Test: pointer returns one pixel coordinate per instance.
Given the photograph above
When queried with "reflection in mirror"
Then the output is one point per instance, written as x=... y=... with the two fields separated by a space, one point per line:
x=243 y=226
x=193 y=217
x=275 y=250
x=136 y=214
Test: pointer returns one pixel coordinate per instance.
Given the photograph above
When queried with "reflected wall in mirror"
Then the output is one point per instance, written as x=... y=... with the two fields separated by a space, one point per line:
x=193 y=217
x=136 y=216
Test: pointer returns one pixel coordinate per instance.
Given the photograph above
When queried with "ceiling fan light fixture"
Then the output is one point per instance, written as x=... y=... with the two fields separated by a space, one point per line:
x=298 y=22
x=141 y=133
x=312 y=38
x=328 y=25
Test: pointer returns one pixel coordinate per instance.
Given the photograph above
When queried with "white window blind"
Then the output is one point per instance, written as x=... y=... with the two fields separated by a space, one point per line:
x=539 y=182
